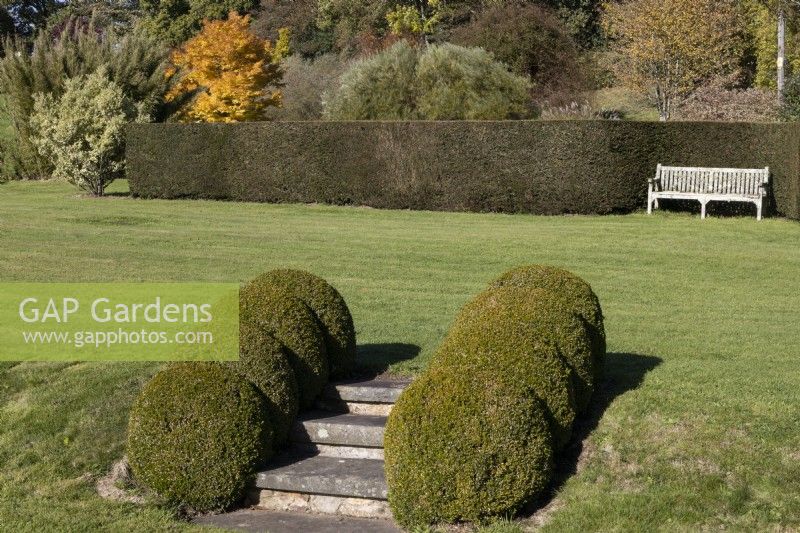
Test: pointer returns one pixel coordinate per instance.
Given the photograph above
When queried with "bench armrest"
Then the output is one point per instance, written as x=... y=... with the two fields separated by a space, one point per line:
x=653 y=180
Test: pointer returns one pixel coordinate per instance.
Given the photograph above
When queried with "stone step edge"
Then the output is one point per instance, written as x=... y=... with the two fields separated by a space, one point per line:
x=330 y=476
x=354 y=408
x=339 y=429
x=338 y=452
x=285 y=501
x=370 y=391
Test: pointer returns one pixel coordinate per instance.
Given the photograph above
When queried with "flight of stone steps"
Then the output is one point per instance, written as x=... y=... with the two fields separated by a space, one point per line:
x=334 y=464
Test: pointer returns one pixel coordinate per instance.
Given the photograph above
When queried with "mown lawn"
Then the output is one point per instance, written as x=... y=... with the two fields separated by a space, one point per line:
x=697 y=427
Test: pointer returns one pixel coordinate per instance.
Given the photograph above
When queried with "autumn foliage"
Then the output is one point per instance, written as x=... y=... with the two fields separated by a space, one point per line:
x=668 y=48
x=231 y=74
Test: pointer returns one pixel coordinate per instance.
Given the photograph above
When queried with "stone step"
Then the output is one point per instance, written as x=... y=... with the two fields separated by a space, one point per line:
x=326 y=476
x=298 y=502
x=342 y=452
x=280 y=521
x=321 y=427
x=382 y=391
x=356 y=408
x=335 y=462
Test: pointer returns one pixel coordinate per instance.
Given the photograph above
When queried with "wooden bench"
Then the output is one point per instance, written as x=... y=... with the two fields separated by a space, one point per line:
x=708 y=185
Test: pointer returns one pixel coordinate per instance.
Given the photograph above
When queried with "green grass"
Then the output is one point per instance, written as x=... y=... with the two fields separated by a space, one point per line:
x=634 y=106
x=701 y=427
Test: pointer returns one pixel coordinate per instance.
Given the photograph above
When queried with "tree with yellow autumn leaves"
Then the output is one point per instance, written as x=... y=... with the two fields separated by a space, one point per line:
x=668 y=48
x=230 y=74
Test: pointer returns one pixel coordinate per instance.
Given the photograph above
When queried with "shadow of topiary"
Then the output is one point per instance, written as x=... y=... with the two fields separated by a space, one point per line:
x=375 y=359
x=624 y=372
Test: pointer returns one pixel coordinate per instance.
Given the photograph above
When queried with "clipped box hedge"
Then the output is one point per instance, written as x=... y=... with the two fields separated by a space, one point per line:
x=265 y=362
x=573 y=293
x=475 y=436
x=555 y=167
x=465 y=443
x=329 y=308
x=291 y=322
x=524 y=334
x=197 y=434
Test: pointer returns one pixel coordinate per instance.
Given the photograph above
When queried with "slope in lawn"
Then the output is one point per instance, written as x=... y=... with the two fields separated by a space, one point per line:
x=708 y=437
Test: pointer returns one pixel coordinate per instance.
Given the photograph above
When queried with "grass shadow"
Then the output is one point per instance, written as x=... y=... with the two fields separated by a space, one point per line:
x=624 y=372
x=718 y=209
x=115 y=220
x=375 y=359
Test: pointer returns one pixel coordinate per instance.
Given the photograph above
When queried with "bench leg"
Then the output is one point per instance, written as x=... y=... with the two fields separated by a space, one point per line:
x=703 y=209
x=758 y=210
x=652 y=203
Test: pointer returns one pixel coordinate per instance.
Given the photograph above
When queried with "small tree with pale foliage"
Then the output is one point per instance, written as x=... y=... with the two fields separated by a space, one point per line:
x=671 y=47
x=82 y=132
x=422 y=18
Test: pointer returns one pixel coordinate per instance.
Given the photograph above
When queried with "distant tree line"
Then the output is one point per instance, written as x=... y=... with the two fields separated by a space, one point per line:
x=64 y=61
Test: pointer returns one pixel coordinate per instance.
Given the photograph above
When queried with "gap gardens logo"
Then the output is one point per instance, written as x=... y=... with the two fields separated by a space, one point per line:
x=119 y=322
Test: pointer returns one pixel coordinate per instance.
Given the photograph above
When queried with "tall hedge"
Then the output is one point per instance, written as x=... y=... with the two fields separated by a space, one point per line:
x=589 y=167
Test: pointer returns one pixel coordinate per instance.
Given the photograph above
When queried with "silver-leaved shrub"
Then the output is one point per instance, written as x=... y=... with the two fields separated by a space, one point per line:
x=82 y=132
x=438 y=82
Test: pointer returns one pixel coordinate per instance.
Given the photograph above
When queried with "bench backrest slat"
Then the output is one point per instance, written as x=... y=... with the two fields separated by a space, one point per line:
x=699 y=180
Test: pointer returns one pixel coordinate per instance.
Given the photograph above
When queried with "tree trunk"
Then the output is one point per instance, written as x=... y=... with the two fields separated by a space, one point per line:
x=781 y=53
x=423 y=18
x=662 y=102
